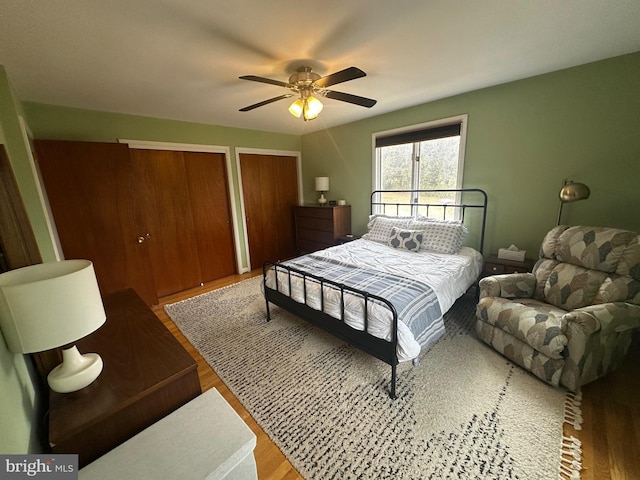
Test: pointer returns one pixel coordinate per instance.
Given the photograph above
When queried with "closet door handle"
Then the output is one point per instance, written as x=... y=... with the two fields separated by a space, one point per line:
x=142 y=239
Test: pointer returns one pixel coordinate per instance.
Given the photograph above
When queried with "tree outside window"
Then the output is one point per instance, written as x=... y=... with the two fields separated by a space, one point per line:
x=429 y=157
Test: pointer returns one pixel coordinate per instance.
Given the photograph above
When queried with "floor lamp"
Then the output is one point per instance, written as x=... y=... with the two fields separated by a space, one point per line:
x=571 y=192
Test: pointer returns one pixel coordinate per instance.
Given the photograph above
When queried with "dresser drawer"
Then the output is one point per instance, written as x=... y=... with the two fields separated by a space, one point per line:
x=316 y=235
x=312 y=223
x=310 y=246
x=496 y=266
x=319 y=227
x=315 y=213
x=494 y=269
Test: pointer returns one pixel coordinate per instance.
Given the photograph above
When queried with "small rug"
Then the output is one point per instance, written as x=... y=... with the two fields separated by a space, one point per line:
x=463 y=412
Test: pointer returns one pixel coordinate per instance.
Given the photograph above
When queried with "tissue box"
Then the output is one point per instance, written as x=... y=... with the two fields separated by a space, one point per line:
x=514 y=255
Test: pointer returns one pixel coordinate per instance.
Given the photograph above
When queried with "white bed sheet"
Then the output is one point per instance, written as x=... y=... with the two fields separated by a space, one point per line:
x=448 y=275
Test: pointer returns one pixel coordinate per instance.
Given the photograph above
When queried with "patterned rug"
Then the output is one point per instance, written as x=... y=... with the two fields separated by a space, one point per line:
x=464 y=412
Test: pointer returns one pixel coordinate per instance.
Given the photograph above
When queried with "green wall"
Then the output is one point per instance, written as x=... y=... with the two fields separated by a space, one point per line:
x=18 y=151
x=63 y=123
x=523 y=139
x=19 y=398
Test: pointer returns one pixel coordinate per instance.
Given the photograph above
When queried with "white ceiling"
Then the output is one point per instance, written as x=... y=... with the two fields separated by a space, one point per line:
x=181 y=59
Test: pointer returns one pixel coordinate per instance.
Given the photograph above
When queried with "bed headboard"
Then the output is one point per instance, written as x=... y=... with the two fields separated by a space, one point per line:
x=467 y=205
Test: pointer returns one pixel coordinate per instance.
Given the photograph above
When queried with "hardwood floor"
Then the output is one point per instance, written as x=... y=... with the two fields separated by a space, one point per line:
x=610 y=433
x=271 y=463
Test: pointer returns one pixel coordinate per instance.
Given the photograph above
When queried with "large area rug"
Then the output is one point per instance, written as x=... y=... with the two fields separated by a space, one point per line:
x=464 y=412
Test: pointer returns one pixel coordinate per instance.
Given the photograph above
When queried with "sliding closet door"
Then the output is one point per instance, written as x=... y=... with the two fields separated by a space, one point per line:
x=209 y=194
x=270 y=191
x=95 y=204
x=188 y=217
x=162 y=181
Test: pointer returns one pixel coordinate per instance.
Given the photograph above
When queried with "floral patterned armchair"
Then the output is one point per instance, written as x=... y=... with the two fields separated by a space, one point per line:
x=573 y=319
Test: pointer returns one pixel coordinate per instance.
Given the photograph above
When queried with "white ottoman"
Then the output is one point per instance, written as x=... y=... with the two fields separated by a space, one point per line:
x=204 y=439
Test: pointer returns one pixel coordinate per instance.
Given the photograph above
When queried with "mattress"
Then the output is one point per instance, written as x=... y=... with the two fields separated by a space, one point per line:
x=450 y=275
x=445 y=276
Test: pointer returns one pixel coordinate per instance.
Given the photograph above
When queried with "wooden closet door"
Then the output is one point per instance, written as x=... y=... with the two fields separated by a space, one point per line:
x=270 y=191
x=209 y=194
x=18 y=247
x=162 y=181
x=96 y=208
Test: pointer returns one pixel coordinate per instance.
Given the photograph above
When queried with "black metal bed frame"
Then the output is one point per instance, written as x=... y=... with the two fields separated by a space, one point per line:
x=381 y=349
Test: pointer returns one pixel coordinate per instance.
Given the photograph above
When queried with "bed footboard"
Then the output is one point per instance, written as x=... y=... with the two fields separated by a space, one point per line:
x=382 y=349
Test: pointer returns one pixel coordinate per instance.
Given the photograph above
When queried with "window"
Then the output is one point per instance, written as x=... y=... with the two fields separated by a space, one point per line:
x=423 y=157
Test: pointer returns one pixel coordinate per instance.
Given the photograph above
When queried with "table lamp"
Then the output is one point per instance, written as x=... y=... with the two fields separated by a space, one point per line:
x=322 y=185
x=52 y=305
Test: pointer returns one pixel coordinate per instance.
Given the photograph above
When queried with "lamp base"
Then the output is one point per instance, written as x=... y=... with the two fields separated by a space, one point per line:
x=75 y=372
x=322 y=200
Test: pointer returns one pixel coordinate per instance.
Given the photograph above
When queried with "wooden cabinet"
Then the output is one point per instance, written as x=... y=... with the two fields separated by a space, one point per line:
x=147 y=374
x=319 y=227
x=496 y=266
x=152 y=220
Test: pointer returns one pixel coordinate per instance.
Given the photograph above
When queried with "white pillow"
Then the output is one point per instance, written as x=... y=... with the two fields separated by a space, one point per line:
x=441 y=237
x=422 y=218
x=380 y=227
x=406 y=239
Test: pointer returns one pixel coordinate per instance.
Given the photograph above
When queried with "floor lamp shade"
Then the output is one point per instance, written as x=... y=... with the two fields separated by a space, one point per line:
x=52 y=305
x=571 y=192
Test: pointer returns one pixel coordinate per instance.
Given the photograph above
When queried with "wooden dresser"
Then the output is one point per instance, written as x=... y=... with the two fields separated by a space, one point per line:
x=319 y=227
x=147 y=375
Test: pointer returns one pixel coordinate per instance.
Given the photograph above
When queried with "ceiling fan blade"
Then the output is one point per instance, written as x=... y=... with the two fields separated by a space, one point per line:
x=266 y=102
x=345 y=75
x=270 y=81
x=347 y=97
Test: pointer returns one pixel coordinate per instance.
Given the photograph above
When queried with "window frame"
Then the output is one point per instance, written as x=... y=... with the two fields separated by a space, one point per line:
x=462 y=120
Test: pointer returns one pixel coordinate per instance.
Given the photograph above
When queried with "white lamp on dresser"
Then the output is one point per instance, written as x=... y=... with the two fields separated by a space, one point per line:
x=52 y=305
x=322 y=185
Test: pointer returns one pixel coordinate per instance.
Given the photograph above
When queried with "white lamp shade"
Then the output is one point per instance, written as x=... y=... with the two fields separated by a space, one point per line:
x=49 y=305
x=322 y=184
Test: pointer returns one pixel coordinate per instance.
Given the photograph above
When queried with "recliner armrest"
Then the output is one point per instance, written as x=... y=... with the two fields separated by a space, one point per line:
x=511 y=285
x=615 y=317
x=598 y=338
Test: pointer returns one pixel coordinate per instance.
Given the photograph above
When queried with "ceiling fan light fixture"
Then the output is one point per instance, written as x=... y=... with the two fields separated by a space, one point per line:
x=305 y=82
x=312 y=109
x=307 y=108
x=296 y=108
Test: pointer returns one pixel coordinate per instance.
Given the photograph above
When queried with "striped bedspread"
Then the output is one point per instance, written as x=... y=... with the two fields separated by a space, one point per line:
x=416 y=302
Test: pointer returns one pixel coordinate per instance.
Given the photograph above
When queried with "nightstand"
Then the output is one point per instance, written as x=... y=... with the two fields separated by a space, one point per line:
x=495 y=266
x=346 y=239
x=147 y=375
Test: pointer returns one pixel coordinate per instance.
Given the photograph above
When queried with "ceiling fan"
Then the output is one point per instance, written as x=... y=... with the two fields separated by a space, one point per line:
x=305 y=83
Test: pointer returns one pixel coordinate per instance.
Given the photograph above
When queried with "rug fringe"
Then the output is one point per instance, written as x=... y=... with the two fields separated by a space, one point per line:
x=571 y=462
x=573 y=409
x=571 y=447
